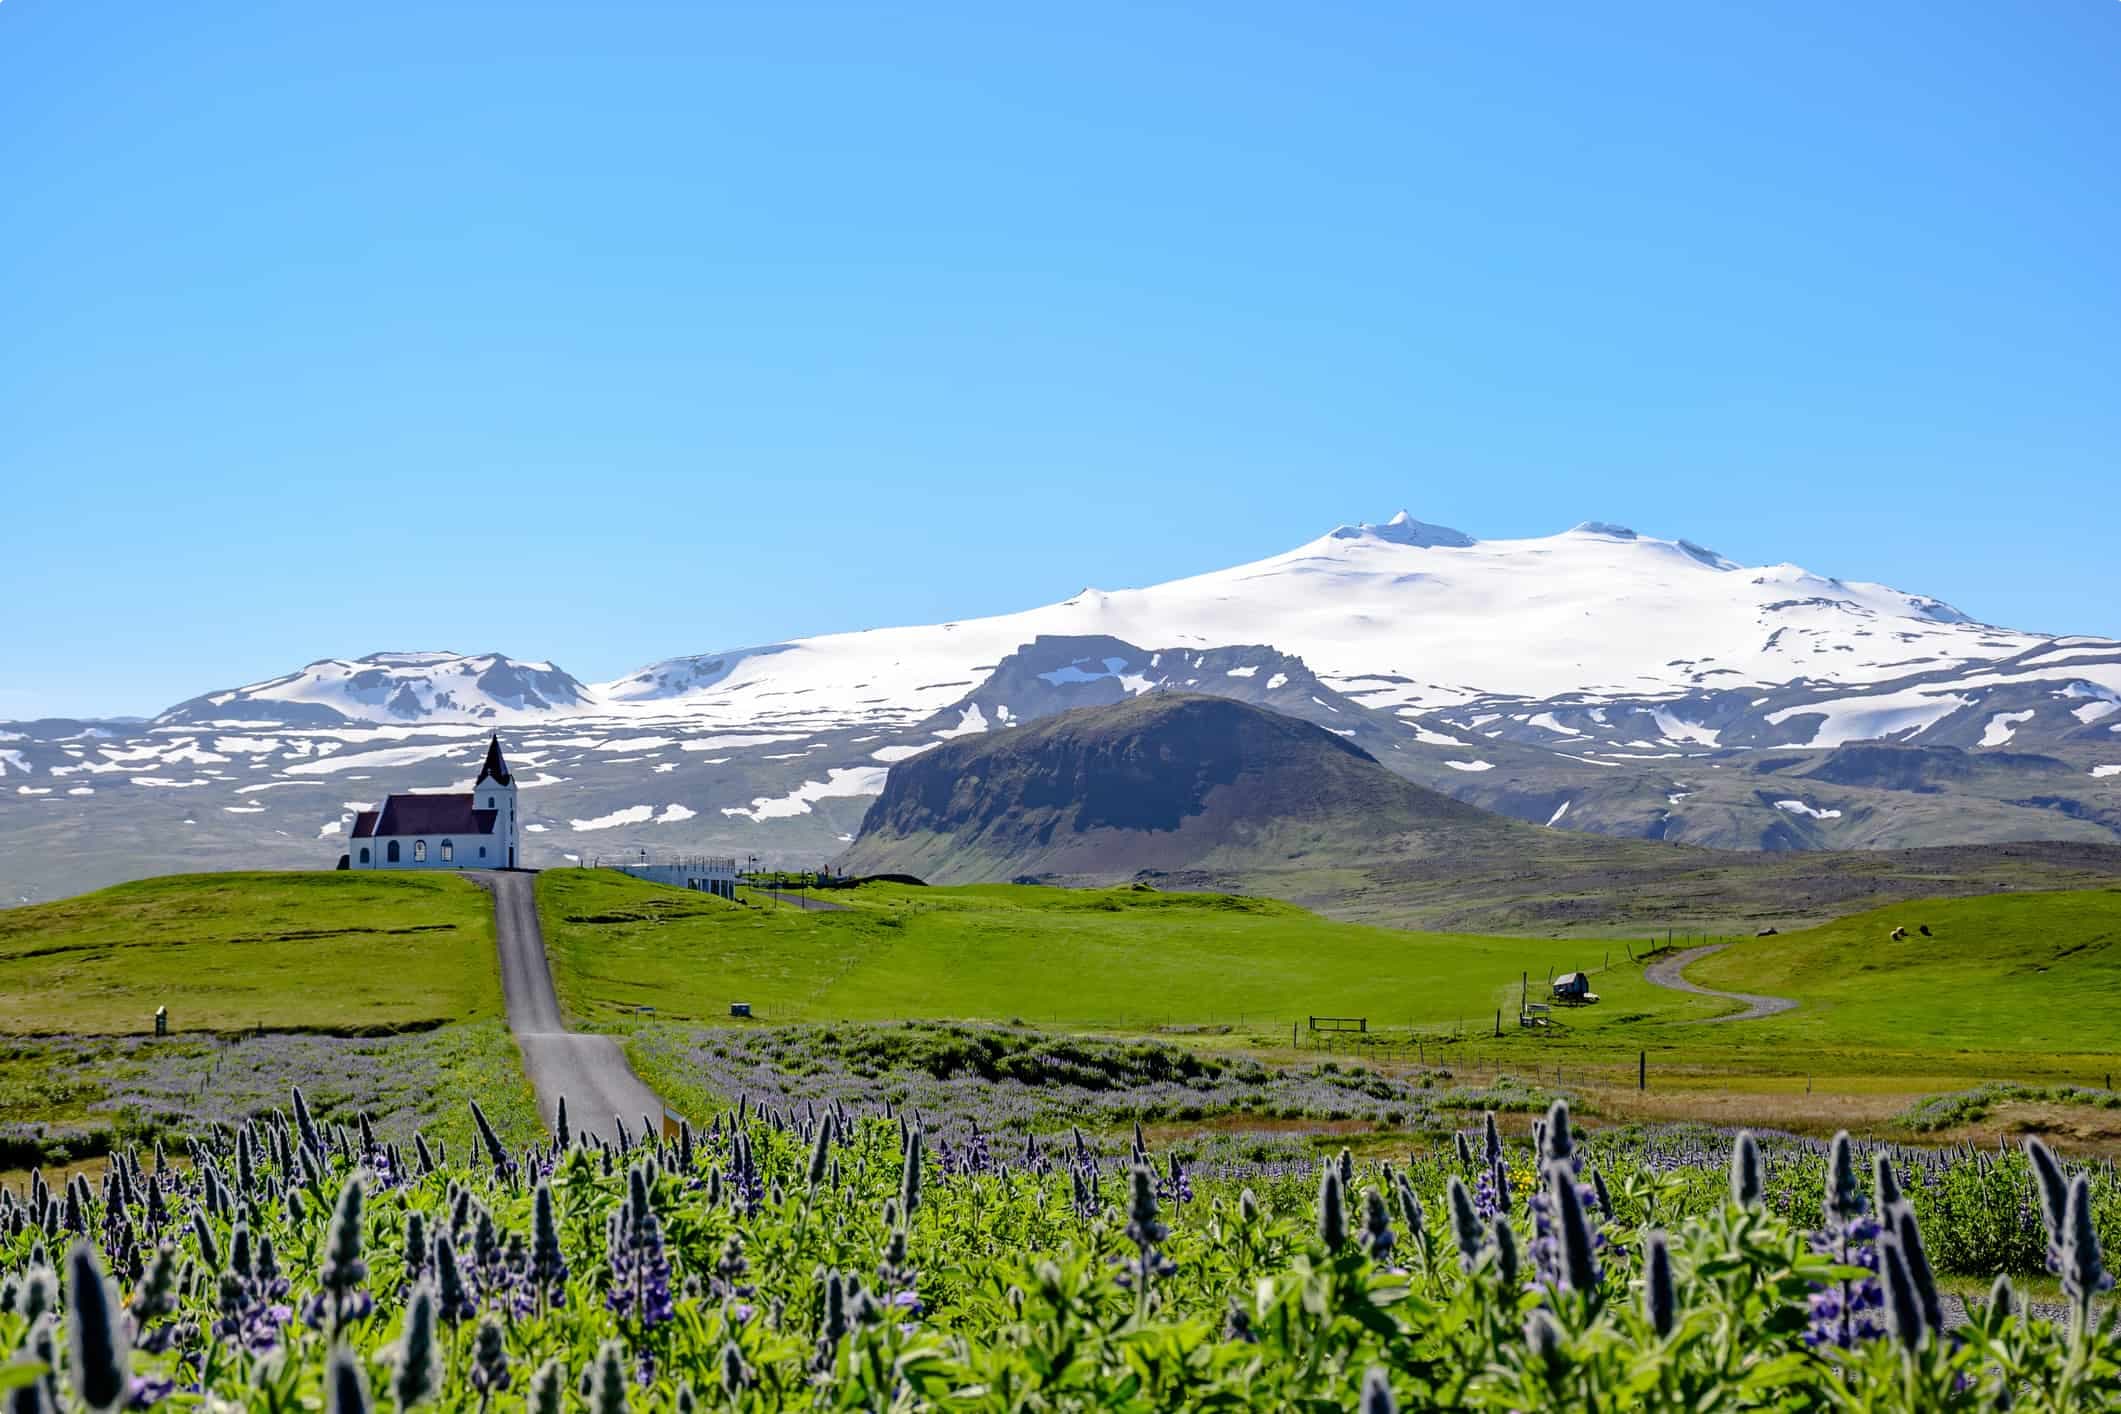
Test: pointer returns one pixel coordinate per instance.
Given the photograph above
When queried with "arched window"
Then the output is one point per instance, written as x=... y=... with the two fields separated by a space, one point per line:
x=364 y=854
x=482 y=851
x=449 y=852
x=419 y=851
x=489 y=802
x=390 y=852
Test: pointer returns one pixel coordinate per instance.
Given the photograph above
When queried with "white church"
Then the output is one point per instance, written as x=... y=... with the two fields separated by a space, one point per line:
x=475 y=830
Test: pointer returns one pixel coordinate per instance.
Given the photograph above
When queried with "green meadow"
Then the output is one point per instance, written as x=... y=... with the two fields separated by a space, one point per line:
x=2013 y=985
x=1106 y=958
x=2016 y=987
x=2034 y=972
x=247 y=951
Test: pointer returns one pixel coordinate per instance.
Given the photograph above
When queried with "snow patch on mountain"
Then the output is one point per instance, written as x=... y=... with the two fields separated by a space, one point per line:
x=630 y=815
x=1676 y=728
x=848 y=781
x=1902 y=714
x=2002 y=727
x=389 y=756
x=972 y=720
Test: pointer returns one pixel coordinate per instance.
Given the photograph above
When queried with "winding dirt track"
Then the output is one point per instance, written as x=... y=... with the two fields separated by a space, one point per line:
x=1667 y=973
x=589 y=1070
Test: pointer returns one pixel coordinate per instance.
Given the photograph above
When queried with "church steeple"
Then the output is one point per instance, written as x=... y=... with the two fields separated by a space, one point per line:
x=495 y=769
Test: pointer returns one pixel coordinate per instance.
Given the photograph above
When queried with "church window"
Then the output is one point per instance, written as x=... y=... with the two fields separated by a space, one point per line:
x=419 y=851
x=390 y=852
x=449 y=852
x=482 y=851
x=364 y=854
x=489 y=802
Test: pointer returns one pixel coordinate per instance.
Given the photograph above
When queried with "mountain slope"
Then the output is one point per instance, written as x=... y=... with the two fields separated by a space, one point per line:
x=1169 y=781
x=1207 y=792
x=1595 y=681
x=1411 y=616
x=395 y=688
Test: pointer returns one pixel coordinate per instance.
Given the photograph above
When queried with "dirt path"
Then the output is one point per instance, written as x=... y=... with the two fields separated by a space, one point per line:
x=589 y=1070
x=1668 y=972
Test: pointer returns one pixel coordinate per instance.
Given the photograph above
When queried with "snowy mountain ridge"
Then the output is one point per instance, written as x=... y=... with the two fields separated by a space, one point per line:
x=398 y=687
x=1402 y=615
x=1407 y=616
x=1594 y=680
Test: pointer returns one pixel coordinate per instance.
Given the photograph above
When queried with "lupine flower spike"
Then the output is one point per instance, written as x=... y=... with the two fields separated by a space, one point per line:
x=1660 y=1303
x=1747 y=1184
x=97 y=1349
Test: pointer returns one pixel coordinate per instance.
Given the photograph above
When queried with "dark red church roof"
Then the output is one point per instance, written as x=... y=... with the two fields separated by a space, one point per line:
x=424 y=815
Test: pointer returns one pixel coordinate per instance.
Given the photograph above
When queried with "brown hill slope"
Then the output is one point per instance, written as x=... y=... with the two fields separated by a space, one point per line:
x=1205 y=792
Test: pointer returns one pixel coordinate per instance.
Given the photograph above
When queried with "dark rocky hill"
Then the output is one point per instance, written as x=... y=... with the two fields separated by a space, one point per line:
x=1167 y=781
x=1192 y=791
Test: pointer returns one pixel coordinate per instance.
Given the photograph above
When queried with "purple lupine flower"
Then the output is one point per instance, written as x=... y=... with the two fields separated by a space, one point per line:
x=1146 y=1231
x=154 y=1301
x=489 y=1361
x=148 y=1390
x=1847 y=1313
x=341 y=1297
x=1177 y=1186
x=252 y=1315
x=640 y=1268
x=896 y=1273
x=548 y=1263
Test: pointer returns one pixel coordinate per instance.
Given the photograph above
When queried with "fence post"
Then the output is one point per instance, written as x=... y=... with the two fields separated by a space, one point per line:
x=1498 y=1021
x=1642 y=1070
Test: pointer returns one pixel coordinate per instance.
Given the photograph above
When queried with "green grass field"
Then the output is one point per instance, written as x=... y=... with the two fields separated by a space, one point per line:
x=2021 y=987
x=2037 y=971
x=2012 y=986
x=233 y=952
x=1110 y=959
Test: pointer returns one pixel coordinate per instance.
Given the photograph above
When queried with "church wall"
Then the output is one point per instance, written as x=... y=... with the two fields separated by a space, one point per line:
x=467 y=852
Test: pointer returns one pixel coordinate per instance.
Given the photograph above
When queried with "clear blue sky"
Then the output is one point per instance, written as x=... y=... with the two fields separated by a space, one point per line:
x=603 y=333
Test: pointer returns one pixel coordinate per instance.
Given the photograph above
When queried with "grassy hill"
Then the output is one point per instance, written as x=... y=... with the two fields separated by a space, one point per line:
x=2041 y=969
x=389 y=984
x=232 y=952
x=1883 y=1028
x=1113 y=958
x=1210 y=793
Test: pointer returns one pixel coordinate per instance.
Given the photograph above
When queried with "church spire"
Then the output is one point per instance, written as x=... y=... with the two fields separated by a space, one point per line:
x=495 y=769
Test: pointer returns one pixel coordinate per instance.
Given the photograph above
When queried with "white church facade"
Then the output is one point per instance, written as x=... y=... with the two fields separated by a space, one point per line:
x=473 y=830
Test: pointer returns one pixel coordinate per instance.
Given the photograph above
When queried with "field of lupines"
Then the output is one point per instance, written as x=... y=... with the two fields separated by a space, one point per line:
x=957 y=1078
x=66 y=1098
x=821 y=1260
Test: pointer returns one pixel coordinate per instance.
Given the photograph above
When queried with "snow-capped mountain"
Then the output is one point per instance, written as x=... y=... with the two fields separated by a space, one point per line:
x=1401 y=615
x=397 y=687
x=1594 y=680
x=1404 y=616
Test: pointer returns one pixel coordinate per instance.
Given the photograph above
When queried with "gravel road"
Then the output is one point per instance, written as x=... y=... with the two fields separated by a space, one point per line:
x=588 y=1069
x=1667 y=973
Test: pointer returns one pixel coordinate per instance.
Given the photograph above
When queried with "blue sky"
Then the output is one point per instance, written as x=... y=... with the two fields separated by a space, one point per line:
x=605 y=333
